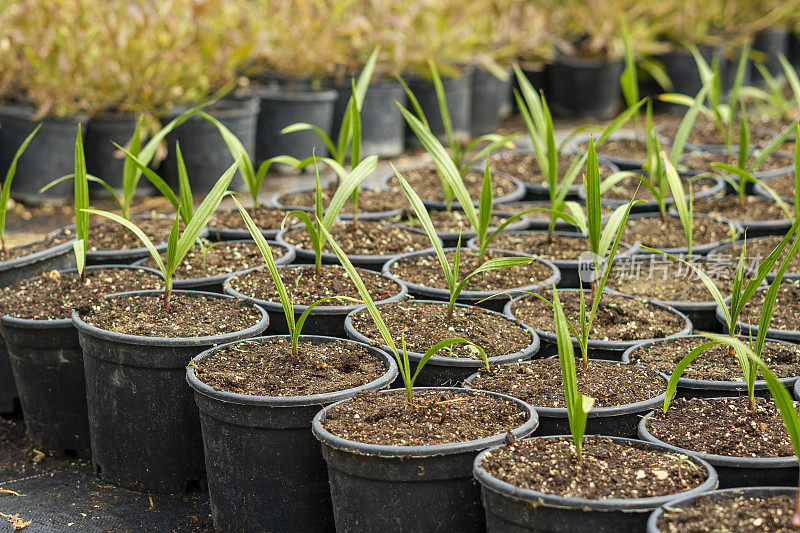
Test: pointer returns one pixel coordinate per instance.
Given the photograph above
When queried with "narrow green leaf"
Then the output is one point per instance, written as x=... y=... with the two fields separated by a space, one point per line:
x=184 y=188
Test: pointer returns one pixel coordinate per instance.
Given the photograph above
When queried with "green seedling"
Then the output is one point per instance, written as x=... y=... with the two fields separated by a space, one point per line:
x=5 y=190
x=81 y=200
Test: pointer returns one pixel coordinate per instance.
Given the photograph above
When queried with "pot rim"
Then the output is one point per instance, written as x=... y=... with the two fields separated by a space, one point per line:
x=35 y=257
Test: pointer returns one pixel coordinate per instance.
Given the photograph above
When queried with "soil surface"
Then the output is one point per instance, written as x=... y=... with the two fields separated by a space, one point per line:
x=659 y=234
x=371 y=238
x=305 y=287
x=425 y=324
x=617 y=319
x=108 y=235
x=783 y=186
x=625 y=188
x=730 y=207
x=434 y=417
x=224 y=257
x=455 y=221
x=705 y=132
x=539 y=382
x=660 y=278
x=630 y=149
x=369 y=200
x=716 y=363
x=53 y=295
x=263 y=216
x=757 y=250
x=701 y=161
x=535 y=243
x=723 y=426
x=743 y=515
x=785 y=313
x=518 y=207
x=608 y=470
x=189 y=315
x=526 y=167
x=268 y=368
x=32 y=248
x=428 y=185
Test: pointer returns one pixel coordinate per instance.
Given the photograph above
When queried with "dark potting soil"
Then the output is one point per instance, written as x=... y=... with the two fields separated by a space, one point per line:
x=373 y=237
x=617 y=319
x=222 y=258
x=31 y=248
x=537 y=244
x=730 y=207
x=631 y=149
x=783 y=186
x=705 y=132
x=660 y=278
x=744 y=514
x=434 y=417
x=263 y=216
x=716 y=363
x=189 y=315
x=53 y=295
x=625 y=188
x=451 y=221
x=539 y=382
x=425 y=324
x=660 y=234
x=757 y=251
x=428 y=185
x=305 y=287
x=369 y=200
x=723 y=426
x=608 y=470
x=267 y=367
x=526 y=167
x=701 y=161
x=108 y=235
x=425 y=270
x=786 y=311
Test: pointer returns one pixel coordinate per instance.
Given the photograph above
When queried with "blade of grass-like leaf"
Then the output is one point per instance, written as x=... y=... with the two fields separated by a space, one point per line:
x=686 y=125
x=130 y=178
x=346 y=188
x=444 y=111
x=136 y=231
x=593 y=209
x=441 y=345
x=680 y=368
x=679 y=201
x=81 y=195
x=154 y=178
x=184 y=188
x=496 y=263
x=5 y=192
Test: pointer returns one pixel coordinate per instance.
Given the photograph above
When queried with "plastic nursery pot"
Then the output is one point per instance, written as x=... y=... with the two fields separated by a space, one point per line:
x=651 y=206
x=215 y=283
x=511 y=508
x=570 y=269
x=450 y=238
x=704 y=388
x=48 y=369
x=143 y=423
x=443 y=371
x=279 y=200
x=771 y=42
x=716 y=495
x=382 y=125
x=103 y=159
x=457 y=90
x=610 y=350
x=725 y=251
x=697 y=249
x=682 y=70
x=794 y=50
x=50 y=154
x=204 y=150
x=745 y=329
x=489 y=93
x=580 y=87
x=324 y=320
x=738 y=471
x=469 y=297
x=265 y=468
x=613 y=421
x=281 y=108
x=408 y=488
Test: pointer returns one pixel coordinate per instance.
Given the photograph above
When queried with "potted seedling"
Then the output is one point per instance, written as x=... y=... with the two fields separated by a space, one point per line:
x=568 y=478
x=361 y=496
x=152 y=335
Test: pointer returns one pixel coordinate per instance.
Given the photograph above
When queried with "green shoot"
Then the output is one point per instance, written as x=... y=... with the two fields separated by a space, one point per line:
x=629 y=81
x=679 y=198
x=5 y=191
x=655 y=178
x=401 y=355
x=81 y=204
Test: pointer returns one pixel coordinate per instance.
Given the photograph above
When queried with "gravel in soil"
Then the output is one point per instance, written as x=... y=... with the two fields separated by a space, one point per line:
x=224 y=257
x=526 y=167
x=31 y=248
x=539 y=383
x=428 y=185
x=660 y=278
x=716 y=363
x=53 y=295
x=454 y=221
x=626 y=187
x=723 y=426
x=372 y=237
x=267 y=367
x=731 y=208
x=425 y=324
x=190 y=315
x=783 y=186
x=743 y=514
x=786 y=311
x=369 y=200
x=425 y=270
x=608 y=470
x=630 y=149
x=701 y=161
x=263 y=216
x=617 y=319
x=660 y=234
x=536 y=243
x=305 y=287
x=705 y=132
x=758 y=249
x=434 y=417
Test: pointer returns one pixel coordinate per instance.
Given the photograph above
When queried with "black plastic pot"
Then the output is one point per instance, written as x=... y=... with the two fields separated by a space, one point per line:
x=771 y=42
x=697 y=249
x=281 y=108
x=651 y=206
x=9 y=397
x=703 y=388
x=537 y=76
x=727 y=253
x=215 y=283
x=469 y=297
x=443 y=371
x=580 y=87
x=103 y=159
x=145 y=433
x=382 y=125
x=489 y=93
x=407 y=488
x=793 y=53
x=265 y=469
x=682 y=70
x=717 y=495
x=738 y=471
x=278 y=200
x=747 y=330
x=324 y=320
x=598 y=349
x=458 y=91
x=450 y=238
x=514 y=509
x=50 y=155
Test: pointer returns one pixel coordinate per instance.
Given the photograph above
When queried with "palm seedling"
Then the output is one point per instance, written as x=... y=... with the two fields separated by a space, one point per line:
x=5 y=189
